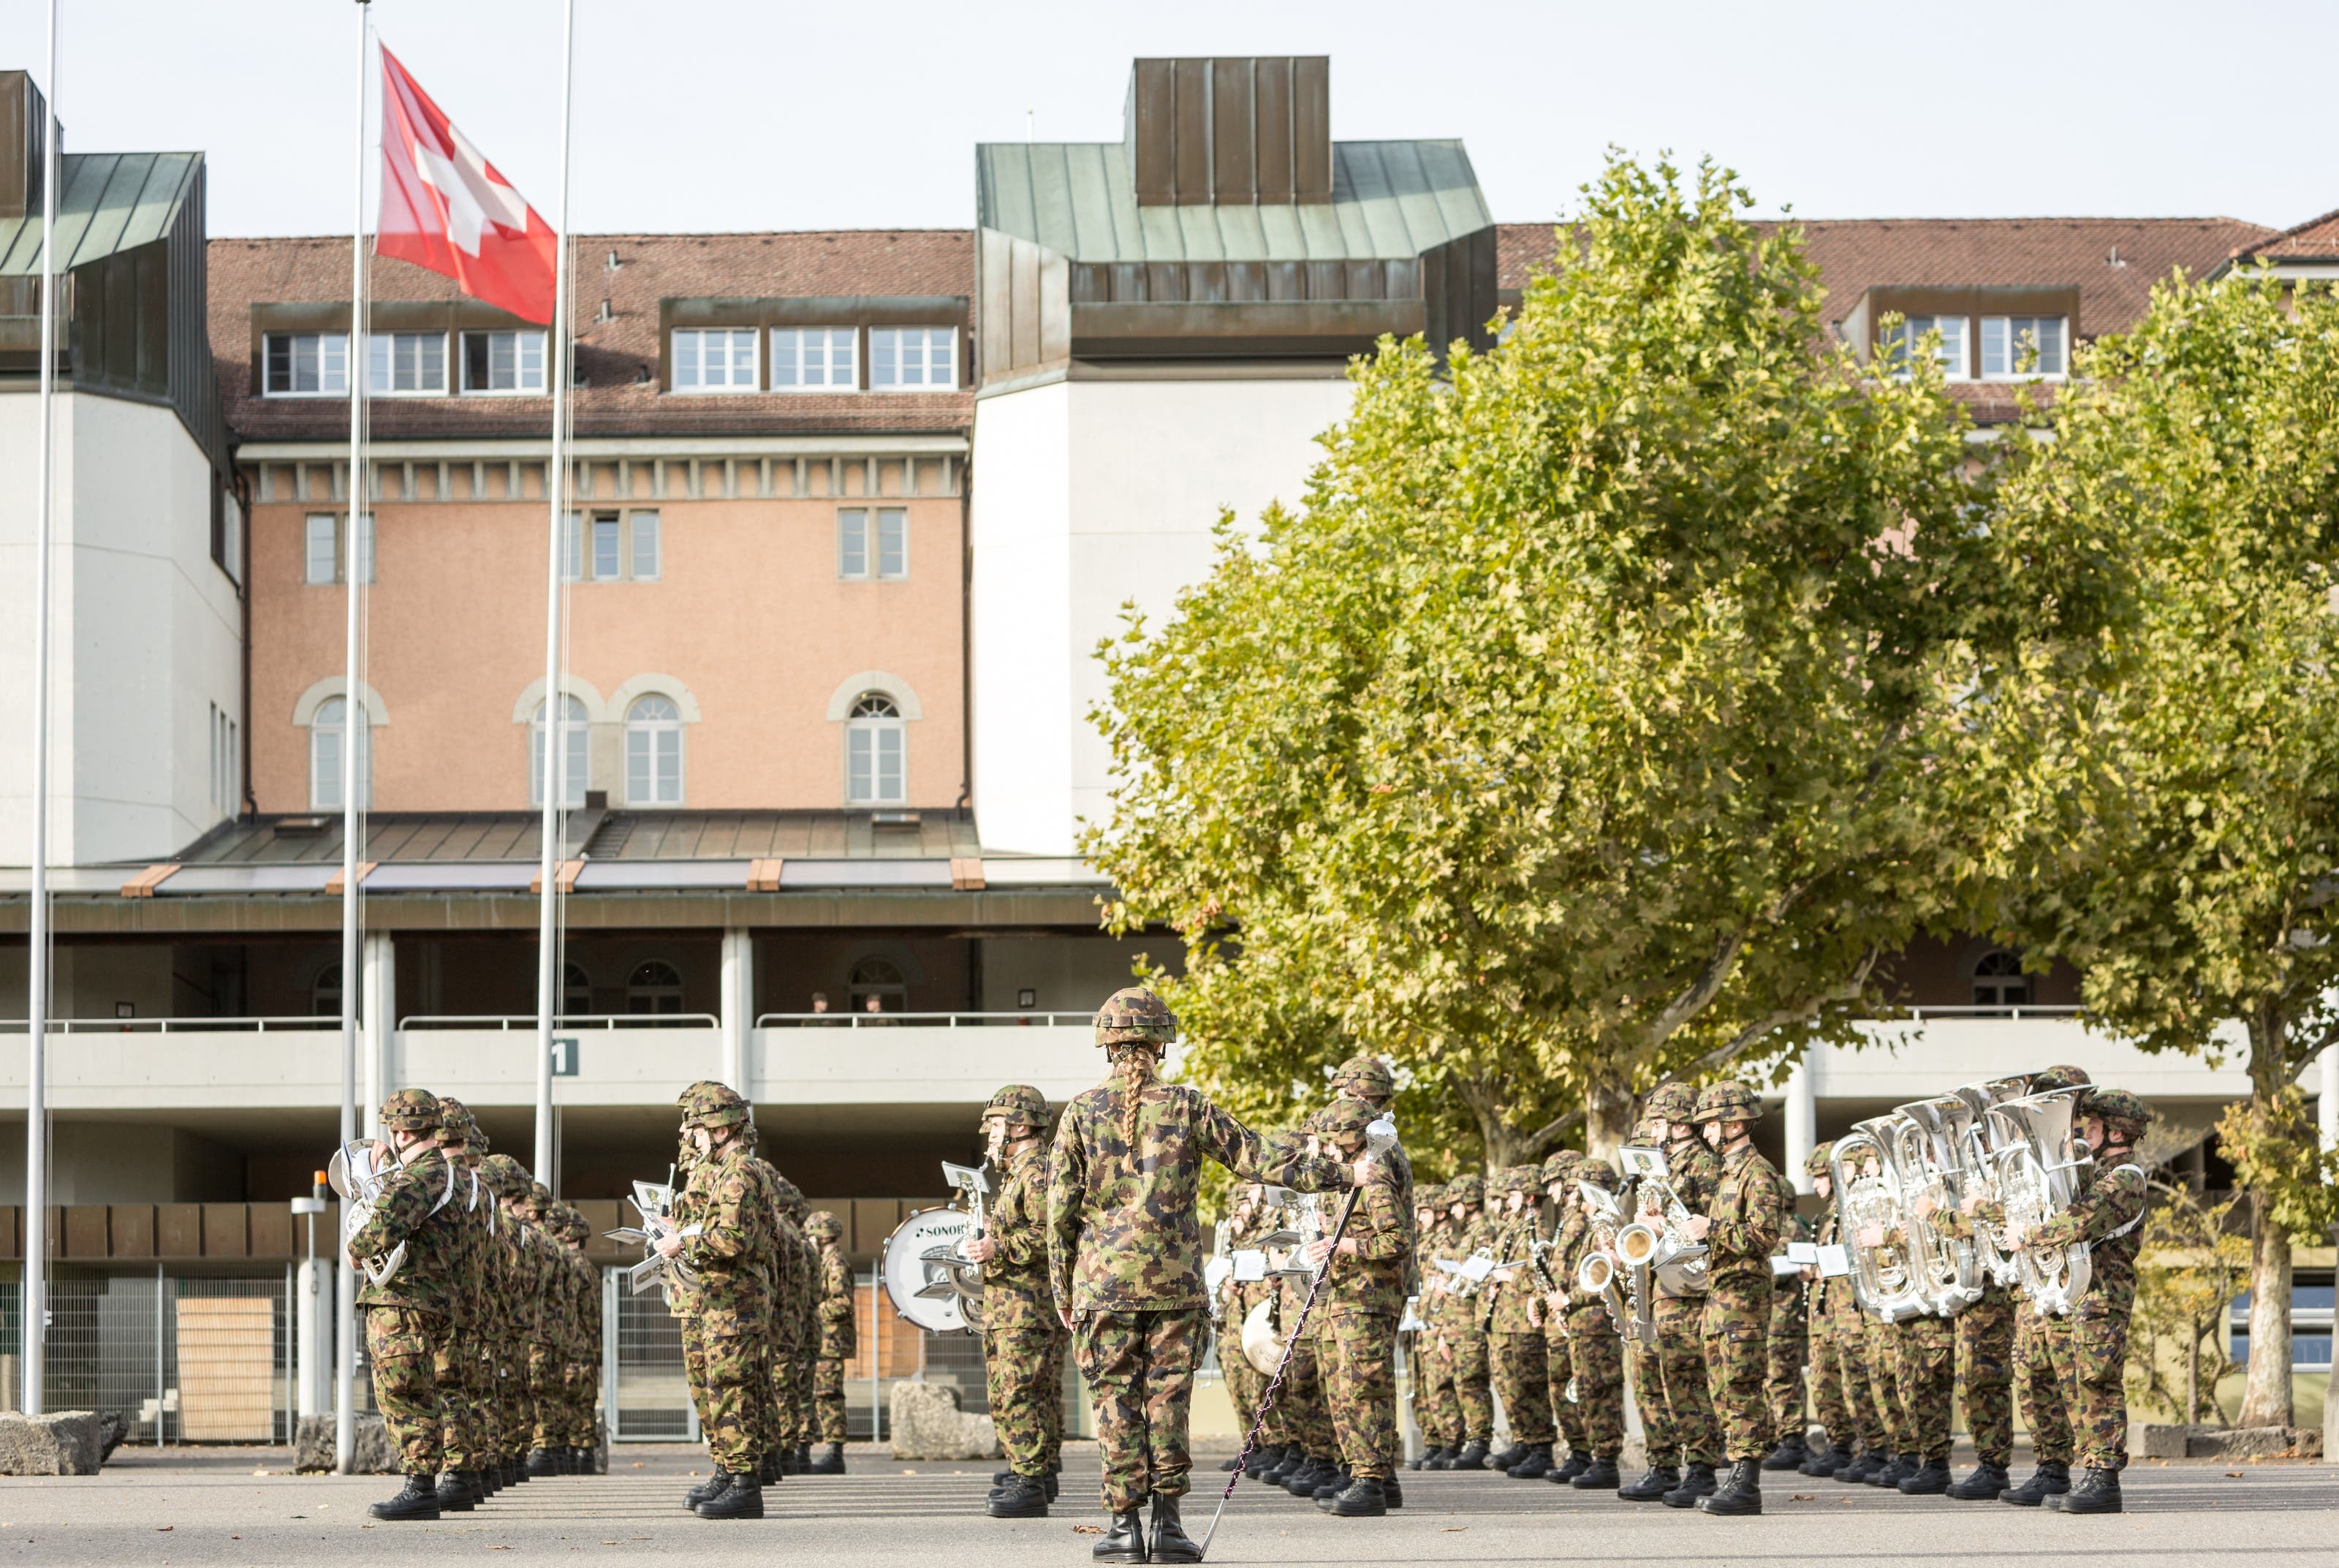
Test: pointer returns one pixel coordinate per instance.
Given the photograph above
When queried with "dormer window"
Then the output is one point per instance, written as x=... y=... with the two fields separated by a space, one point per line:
x=714 y=359
x=1952 y=349
x=2016 y=348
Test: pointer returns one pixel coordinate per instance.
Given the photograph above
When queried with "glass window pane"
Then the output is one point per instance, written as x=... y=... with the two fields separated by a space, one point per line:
x=884 y=352
x=2050 y=345
x=686 y=359
x=528 y=349
x=604 y=549
x=858 y=770
x=1995 y=332
x=320 y=555
x=637 y=767
x=365 y=548
x=786 y=346
x=646 y=546
x=852 y=542
x=893 y=542
x=889 y=764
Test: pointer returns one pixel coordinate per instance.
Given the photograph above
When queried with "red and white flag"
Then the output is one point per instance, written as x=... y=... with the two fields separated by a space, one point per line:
x=445 y=207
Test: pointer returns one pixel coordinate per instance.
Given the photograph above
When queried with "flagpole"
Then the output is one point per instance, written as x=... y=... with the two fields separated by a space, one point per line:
x=353 y=714
x=35 y=1300
x=556 y=484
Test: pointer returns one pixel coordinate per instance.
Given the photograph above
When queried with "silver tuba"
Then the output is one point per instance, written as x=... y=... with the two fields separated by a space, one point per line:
x=1927 y=1145
x=357 y=1172
x=1867 y=1192
x=1984 y=1162
x=2040 y=1165
x=962 y=1274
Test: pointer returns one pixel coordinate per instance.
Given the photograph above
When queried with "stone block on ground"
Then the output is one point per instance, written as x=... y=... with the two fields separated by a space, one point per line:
x=2146 y=1441
x=2255 y=1443
x=372 y=1453
x=928 y=1425
x=70 y=1443
x=114 y=1430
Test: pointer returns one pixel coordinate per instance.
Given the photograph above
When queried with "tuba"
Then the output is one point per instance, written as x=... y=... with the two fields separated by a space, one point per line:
x=1983 y=1160
x=2040 y=1165
x=1867 y=1193
x=357 y=1172
x=1596 y=1275
x=1926 y=1140
x=963 y=1274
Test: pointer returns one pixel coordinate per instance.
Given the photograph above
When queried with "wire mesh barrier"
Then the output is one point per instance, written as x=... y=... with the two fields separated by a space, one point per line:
x=185 y=1358
x=644 y=1386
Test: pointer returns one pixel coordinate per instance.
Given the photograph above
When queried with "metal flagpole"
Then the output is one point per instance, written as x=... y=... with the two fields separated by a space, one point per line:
x=35 y=1301
x=555 y=486
x=353 y=716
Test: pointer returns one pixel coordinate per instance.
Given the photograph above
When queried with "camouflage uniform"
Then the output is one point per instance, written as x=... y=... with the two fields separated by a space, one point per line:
x=1361 y=1299
x=1431 y=1399
x=2091 y=1352
x=1124 y=1243
x=1839 y=1385
x=1558 y=1344
x=1462 y=1333
x=795 y=1306
x=1515 y=1340
x=1790 y=1345
x=1245 y=1383
x=508 y=1420
x=1747 y=1210
x=1659 y=1437
x=839 y=1326
x=1985 y=1357
x=1595 y=1349
x=1023 y=1340
x=465 y=1437
x=1683 y=1381
x=735 y=1255
x=410 y=1317
x=1307 y=1409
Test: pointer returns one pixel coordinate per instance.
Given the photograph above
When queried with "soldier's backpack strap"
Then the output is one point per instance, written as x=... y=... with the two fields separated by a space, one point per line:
x=2139 y=1217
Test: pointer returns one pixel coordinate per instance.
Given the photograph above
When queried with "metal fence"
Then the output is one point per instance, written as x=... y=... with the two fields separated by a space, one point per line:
x=185 y=1358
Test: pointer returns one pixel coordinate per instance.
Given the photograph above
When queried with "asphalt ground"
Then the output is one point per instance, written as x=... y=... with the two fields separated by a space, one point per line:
x=238 y=1506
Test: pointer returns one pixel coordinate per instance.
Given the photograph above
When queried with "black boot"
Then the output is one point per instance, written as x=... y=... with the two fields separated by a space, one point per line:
x=804 y=1457
x=1392 y=1493
x=1507 y=1457
x=1740 y=1493
x=1859 y=1468
x=1022 y=1498
x=454 y=1494
x=1790 y=1455
x=2096 y=1492
x=1472 y=1457
x=1985 y=1482
x=1600 y=1476
x=1533 y=1464
x=1895 y=1467
x=1307 y=1477
x=742 y=1499
x=768 y=1473
x=1930 y=1479
x=832 y=1462
x=1651 y=1487
x=418 y=1501
x=1697 y=1481
x=1265 y=1459
x=1575 y=1464
x=1124 y=1542
x=1051 y=1479
x=1441 y=1457
x=1362 y=1498
x=704 y=1490
x=1336 y=1481
x=540 y=1463
x=1170 y=1543
x=1285 y=1468
x=1825 y=1461
x=2051 y=1479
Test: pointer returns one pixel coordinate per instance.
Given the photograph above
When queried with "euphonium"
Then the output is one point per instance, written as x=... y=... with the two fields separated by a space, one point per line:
x=1664 y=1248
x=2042 y=1167
x=1866 y=1195
x=1984 y=1160
x=1927 y=1143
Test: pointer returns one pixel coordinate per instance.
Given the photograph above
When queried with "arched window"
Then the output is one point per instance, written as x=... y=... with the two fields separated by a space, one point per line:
x=653 y=752
x=325 y=756
x=878 y=980
x=576 y=742
x=325 y=992
x=1998 y=979
x=576 y=991
x=874 y=764
x=656 y=987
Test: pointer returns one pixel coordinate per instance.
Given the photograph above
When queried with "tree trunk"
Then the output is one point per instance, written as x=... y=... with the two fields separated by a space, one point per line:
x=1482 y=1099
x=2267 y=1391
x=1608 y=1115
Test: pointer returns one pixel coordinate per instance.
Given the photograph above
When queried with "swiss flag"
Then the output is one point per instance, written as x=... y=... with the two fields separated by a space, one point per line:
x=445 y=207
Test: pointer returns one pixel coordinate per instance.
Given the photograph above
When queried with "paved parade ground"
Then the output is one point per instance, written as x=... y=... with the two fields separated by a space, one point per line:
x=209 y=1506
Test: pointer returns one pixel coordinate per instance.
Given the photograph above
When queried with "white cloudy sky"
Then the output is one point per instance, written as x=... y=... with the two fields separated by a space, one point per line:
x=714 y=115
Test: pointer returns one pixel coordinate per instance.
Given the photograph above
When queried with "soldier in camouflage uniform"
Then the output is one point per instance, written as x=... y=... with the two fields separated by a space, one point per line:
x=1739 y=1228
x=1022 y=1342
x=1361 y=1299
x=1557 y=1180
x=2092 y=1357
x=795 y=1329
x=1682 y=1377
x=1839 y=1388
x=839 y=1333
x=1313 y=1450
x=1659 y=1437
x=2037 y=1387
x=581 y=1438
x=1985 y=1363
x=735 y=1255
x=1125 y=1260
x=1430 y=1397
x=1462 y=1332
x=1596 y=1352
x=1791 y=1350
x=410 y=1317
x=1515 y=1342
x=467 y=1441
x=1235 y=1298
x=508 y=1422
x=1881 y=1359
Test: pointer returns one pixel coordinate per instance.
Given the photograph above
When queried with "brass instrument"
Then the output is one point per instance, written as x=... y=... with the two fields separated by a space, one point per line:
x=1665 y=1248
x=1867 y=1194
x=1926 y=1143
x=963 y=1274
x=357 y=1172
x=654 y=1201
x=2041 y=1164
x=1307 y=1215
x=1986 y=1160
x=1596 y=1274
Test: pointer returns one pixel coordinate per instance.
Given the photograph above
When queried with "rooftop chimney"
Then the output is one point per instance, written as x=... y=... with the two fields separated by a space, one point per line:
x=24 y=120
x=1239 y=131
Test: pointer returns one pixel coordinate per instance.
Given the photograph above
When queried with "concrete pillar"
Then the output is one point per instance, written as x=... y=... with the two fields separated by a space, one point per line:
x=313 y=1328
x=738 y=1008
x=379 y=999
x=1803 y=1121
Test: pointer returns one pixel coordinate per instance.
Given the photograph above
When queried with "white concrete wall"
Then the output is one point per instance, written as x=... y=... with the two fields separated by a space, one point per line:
x=145 y=637
x=1088 y=495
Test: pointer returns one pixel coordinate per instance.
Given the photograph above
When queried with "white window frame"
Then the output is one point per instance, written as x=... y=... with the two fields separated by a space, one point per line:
x=862 y=540
x=644 y=526
x=325 y=740
x=886 y=344
x=577 y=755
x=869 y=737
x=311 y=559
x=2007 y=324
x=387 y=343
x=732 y=336
x=1957 y=361
x=645 y=736
x=831 y=341
x=609 y=528
x=327 y=344
x=522 y=387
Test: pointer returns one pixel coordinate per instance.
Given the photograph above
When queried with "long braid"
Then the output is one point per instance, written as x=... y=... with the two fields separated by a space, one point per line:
x=1135 y=1061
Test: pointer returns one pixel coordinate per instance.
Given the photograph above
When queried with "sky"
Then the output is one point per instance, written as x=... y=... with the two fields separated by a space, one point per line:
x=742 y=114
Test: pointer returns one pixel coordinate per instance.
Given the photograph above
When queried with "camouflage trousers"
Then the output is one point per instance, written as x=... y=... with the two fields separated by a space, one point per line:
x=1791 y=1353
x=1925 y=1372
x=1520 y=1384
x=1736 y=1333
x=732 y=1385
x=781 y=1417
x=1467 y=1374
x=544 y=1395
x=1879 y=1358
x=2038 y=1385
x=1023 y=1368
x=1559 y=1384
x=402 y=1346
x=1682 y=1383
x=1358 y=1361
x=1596 y=1364
x=1141 y=1371
x=1839 y=1385
x=1307 y=1419
x=828 y=1397
x=463 y=1419
x=800 y=1370
x=1985 y=1373
x=1434 y=1410
x=2091 y=1360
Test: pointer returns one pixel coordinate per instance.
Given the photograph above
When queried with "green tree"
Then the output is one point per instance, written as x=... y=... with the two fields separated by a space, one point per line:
x=1597 y=717
x=2178 y=741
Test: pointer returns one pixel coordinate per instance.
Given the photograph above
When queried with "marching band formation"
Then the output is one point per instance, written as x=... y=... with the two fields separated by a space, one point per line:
x=1973 y=1250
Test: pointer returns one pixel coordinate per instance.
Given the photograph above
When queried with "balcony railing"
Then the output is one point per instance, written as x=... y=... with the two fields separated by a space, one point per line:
x=576 y=1020
x=302 y=1021
x=2007 y=1010
x=924 y=1020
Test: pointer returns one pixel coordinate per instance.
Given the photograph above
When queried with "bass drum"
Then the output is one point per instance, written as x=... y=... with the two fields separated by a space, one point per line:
x=923 y=1290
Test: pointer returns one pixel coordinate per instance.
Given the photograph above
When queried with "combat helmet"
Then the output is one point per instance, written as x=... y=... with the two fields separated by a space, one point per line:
x=1364 y=1078
x=1343 y=1118
x=2055 y=1077
x=1559 y=1166
x=1468 y=1187
x=1673 y=1103
x=1815 y=1163
x=2120 y=1111
x=822 y=1226
x=791 y=1199
x=1020 y=1104
x=505 y=1177
x=1134 y=1015
x=459 y=1130
x=410 y=1110
x=1729 y=1100
x=708 y=1103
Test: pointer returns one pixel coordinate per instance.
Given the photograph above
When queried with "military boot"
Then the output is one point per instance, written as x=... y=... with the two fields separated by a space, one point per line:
x=1858 y=1468
x=1336 y=1481
x=1022 y=1498
x=2051 y=1479
x=1124 y=1542
x=1170 y=1543
x=1895 y=1466
x=1600 y=1476
x=1985 y=1482
x=1533 y=1464
x=1930 y=1479
x=1577 y=1462
x=768 y=1472
x=1262 y=1460
x=1697 y=1481
x=1507 y=1457
x=832 y=1462
x=540 y=1463
x=1441 y=1457
x=1740 y=1493
x=2096 y=1492
x=1362 y=1498
x=454 y=1493
x=1651 y=1487
x=743 y=1499
x=516 y=1469
x=1307 y=1477
x=1825 y=1461
x=1392 y=1493
x=418 y=1501
x=1050 y=1480
x=803 y=1454
x=1472 y=1457
x=1790 y=1455
x=1285 y=1468
x=709 y=1488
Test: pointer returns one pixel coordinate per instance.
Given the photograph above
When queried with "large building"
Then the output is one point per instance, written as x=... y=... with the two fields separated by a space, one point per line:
x=851 y=513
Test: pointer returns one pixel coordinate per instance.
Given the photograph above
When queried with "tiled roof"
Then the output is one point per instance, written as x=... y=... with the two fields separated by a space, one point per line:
x=2316 y=240
x=615 y=356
